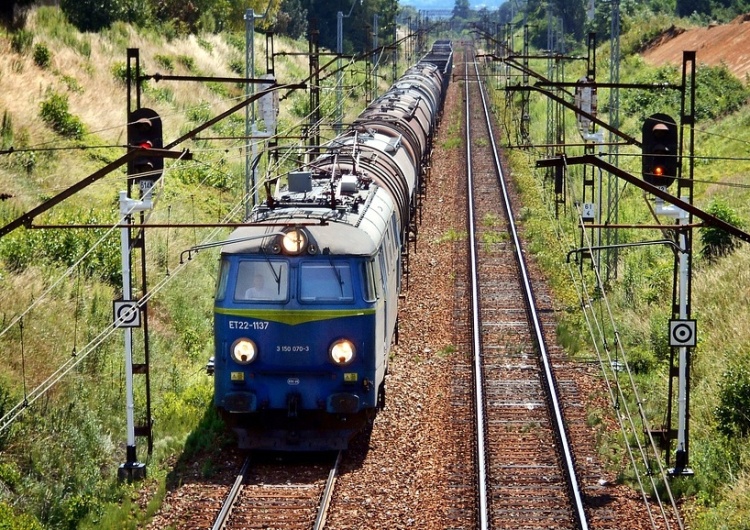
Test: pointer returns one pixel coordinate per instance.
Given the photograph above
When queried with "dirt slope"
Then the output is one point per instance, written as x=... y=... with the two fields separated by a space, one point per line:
x=729 y=44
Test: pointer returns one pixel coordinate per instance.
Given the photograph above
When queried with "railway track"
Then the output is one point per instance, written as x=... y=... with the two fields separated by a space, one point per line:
x=525 y=470
x=414 y=469
x=279 y=497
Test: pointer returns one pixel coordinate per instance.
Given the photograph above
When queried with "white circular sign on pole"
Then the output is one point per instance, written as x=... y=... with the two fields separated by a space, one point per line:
x=682 y=333
x=126 y=314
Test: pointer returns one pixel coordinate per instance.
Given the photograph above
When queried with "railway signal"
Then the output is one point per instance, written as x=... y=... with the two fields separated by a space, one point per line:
x=660 y=162
x=145 y=132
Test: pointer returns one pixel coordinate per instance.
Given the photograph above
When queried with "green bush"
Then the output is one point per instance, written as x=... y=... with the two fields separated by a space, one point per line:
x=213 y=176
x=69 y=474
x=42 y=56
x=119 y=71
x=728 y=511
x=734 y=402
x=10 y=521
x=659 y=335
x=718 y=92
x=716 y=242
x=54 y=112
x=203 y=43
x=237 y=66
x=10 y=476
x=170 y=30
x=163 y=94
x=640 y=360
x=21 y=41
x=188 y=62
x=180 y=408
x=61 y=246
x=235 y=40
x=164 y=61
x=137 y=12
x=220 y=89
x=300 y=105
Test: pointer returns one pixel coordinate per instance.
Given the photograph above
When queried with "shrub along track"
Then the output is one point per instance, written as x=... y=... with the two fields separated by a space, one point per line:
x=415 y=468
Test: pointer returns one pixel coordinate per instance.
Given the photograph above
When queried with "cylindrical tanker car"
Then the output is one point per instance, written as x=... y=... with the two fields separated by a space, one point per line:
x=306 y=302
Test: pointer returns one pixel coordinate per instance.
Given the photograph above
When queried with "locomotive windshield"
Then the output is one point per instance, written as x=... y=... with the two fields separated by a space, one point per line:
x=265 y=281
x=325 y=281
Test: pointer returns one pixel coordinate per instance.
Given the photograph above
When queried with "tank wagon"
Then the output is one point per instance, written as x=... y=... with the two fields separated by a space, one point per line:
x=441 y=55
x=306 y=302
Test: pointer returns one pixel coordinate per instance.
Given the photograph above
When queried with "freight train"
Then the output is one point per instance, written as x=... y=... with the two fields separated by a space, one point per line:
x=306 y=303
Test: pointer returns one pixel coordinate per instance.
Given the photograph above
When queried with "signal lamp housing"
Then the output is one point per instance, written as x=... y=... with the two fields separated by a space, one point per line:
x=145 y=132
x=660 y=161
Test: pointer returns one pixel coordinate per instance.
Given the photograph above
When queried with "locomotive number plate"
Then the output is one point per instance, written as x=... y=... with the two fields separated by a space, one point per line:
x=244 y=324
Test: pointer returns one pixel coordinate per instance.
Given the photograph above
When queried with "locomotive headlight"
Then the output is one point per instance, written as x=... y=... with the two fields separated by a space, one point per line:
x=294 y=242
x=244 y=351
x=342 y=351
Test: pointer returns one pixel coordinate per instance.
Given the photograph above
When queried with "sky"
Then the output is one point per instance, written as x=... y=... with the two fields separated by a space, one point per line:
x=448 y=4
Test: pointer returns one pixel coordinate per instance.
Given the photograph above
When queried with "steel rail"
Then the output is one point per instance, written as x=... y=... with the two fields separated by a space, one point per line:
x=325 y=500
x=565 y=449
x=226 y=508
x=475 y=323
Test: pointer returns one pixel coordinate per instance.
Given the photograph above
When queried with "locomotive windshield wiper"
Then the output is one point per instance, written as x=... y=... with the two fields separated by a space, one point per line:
x=276 y=275
x=338 y=275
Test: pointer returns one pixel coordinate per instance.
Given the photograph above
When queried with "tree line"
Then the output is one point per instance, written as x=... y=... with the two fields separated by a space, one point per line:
x=576 y=24
x=294 y=18
x=300 y=18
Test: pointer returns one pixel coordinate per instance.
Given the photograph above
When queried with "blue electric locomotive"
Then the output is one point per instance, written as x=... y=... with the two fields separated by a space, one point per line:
x=306 y=303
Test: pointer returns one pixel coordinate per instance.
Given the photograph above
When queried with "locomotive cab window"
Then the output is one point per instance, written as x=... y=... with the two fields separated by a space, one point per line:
x=263 y=281
x=221 y=285
x=325 y=282
x=368 y=281
x=379 y=272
